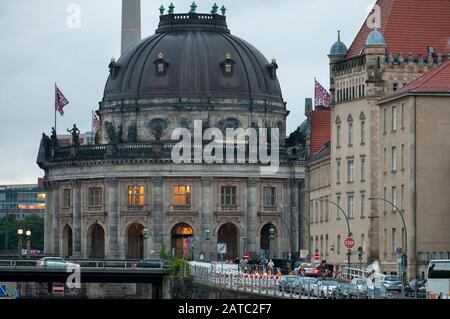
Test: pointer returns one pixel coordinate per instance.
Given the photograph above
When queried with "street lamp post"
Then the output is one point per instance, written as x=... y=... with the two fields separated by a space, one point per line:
x=145 y=237
x=20 y=235
x=309 y=237
x=405 y=271
x=349 y=252
x=271 y=238
x=208 y=238
x=28 y=233
x=244 y=239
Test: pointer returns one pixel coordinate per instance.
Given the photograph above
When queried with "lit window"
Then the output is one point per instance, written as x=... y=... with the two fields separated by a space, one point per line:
x=41 y=197
x=136 y=194
x=181 y=195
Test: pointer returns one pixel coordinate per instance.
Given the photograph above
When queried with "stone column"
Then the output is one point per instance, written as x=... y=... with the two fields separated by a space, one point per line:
x=48 y=229
x=286 y=222
x=295 y=208
x=251 y=221
x=55 y=219
x=157 y=214
x=206 y=217
x=76 y=191
x=112 y=209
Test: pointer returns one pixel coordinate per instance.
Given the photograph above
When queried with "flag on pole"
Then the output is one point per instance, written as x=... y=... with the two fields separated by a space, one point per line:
x=95 y=123
x=321 y=96
x=60 y=101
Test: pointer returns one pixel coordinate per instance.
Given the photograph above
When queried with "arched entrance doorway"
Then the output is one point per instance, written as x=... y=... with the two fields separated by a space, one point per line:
x=97 y=242
x=268 y=246
x=228 y=234
x=135 y=239
x=180 y=233
x=67 y=241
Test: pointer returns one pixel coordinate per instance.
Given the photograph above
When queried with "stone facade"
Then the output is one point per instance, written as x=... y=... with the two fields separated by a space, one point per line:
x=115 y=215
x=415 y=127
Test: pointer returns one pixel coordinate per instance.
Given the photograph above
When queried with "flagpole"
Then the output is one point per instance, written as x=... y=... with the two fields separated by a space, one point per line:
x=55 y=107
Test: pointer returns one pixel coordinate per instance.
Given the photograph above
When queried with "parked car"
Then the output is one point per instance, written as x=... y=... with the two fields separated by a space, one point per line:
x=378 y=293
x=392 y=282
x=360 y=283
x=286 y=283
x=307 y=285
x=55 y=262
x=325 y=288
x=347 y=291
x=151 y=263
x=416 y=288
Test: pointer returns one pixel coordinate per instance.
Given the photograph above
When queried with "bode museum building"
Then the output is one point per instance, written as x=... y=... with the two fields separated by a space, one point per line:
x=127 y=196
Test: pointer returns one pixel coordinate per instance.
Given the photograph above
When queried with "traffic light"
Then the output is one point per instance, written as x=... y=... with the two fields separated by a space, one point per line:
x=360 y=252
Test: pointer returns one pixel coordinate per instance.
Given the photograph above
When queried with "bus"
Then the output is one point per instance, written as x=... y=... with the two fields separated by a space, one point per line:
x=438 y=283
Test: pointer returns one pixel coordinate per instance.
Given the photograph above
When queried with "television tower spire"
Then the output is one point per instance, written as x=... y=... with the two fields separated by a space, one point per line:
x=131 y=23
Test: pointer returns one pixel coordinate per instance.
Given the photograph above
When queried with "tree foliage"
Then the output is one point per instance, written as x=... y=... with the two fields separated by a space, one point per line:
x=8 y=232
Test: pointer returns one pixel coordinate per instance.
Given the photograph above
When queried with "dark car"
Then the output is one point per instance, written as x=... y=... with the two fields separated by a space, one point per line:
x=152 y=263
x=347 y=291
x=311 y=270
x=416 y=288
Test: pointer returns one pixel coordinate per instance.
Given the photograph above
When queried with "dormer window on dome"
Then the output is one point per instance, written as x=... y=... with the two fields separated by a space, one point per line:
x=161 y=65
x=227 y=66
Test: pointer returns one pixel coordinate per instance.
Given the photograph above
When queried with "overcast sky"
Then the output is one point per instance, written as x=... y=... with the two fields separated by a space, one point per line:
x=39 y=49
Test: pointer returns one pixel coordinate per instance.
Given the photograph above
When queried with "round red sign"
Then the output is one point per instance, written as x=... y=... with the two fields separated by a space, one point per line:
x=349 y=243
x=316 y=256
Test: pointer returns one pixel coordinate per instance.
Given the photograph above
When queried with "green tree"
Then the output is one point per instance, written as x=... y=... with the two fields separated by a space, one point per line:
x=8 y=231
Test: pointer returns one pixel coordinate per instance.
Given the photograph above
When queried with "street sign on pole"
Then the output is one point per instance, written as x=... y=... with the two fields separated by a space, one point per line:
x=222 y=248
x=349 y=243
x=303 y=253
x=399 y=251
x=316 y=256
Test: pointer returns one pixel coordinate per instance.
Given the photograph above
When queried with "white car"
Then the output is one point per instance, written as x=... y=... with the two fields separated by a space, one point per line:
x=325 y=288
x=55 y=262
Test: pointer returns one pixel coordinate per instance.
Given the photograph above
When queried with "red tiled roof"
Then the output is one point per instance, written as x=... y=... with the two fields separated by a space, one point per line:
x=410 y=26
x=320 y=129
x=436 y=80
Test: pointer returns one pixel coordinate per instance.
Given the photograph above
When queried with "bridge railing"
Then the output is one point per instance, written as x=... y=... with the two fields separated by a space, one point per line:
x=351 y=273
x=89 y=263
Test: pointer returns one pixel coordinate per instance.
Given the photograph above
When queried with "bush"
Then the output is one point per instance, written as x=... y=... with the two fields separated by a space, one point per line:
x=177 y=266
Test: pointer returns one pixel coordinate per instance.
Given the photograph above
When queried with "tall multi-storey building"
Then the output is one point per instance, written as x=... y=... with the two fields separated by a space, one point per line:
x=414 y=135
x=22 y=200
x=382 y=60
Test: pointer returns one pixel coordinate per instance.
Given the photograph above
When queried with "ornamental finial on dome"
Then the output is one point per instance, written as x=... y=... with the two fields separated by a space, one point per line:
x=214 y=8
x=274 y=61
x=338 y=48
x=161 y=10
x=223 y=10
x=193 y=7
x=171 y=8
x=113 y=60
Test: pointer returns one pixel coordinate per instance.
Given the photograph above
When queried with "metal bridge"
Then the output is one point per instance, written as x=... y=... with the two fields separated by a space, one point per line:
x=91 y=271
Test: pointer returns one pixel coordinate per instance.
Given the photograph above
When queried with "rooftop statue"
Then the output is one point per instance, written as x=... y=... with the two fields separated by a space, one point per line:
x=75 y=135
